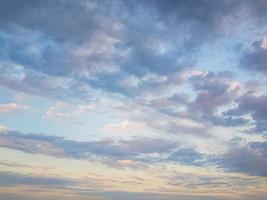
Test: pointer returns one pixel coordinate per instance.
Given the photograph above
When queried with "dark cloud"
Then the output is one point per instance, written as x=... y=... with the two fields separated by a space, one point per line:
x=111 y=195
x=255 y=107
x=260 y=147
x=214 y=90
x=227 y=121
x=28 y=81
x=107 y=149
x=146 y=145
x=138 y=49
x=99 y=43
x=256 y=59
x=83 y=38
x=138 y=150
x=250 y=159
x=153 y=196
x=10 y=179
x=53 y=19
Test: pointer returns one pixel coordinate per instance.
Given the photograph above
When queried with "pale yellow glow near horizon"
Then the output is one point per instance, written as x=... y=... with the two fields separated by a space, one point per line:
x=151 y=179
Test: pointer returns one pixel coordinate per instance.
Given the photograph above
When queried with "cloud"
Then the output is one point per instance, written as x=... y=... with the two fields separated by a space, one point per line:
x=256 y=59
x=10 y=179
x=187 y=114
x=2 y=128
x=214 y=93
x=98 y=44
x=18 y=165
x=141 y=152
x=127 y=128
x=264 y=43
x=214 y=90
x=134 y=152
x=145 y=58
x=154 y=196
x=250 y=159
x=200 y=181
x=66 y=112
x=254 y=106
x=135 y=149
x=12 y=107
x=101 y=195
x=186 y=156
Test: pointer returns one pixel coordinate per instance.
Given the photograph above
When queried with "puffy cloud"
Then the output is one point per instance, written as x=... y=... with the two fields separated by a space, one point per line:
x=145 y=57
x=214 y=93
x=214 y=90
x=24 y=80
x=98 y=44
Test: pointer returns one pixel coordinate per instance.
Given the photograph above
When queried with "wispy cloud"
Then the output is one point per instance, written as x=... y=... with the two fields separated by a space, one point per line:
x=12 y=107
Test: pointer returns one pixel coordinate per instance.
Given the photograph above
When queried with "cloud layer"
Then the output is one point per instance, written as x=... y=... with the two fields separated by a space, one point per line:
x=173 y=90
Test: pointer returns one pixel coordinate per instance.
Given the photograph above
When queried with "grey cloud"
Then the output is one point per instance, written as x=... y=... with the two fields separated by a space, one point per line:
x=112 y=195
x=226 y=121
x=255 y=60
x=254 y=106
x=174 y=128
x=106 y=149
x=250 y=159
x=260 y=147
x=200 y=181
x=139 y=150
x=54 y=19
x=97 y=45
x=58 y=27
x=146 y=145
x=29 y=81
x=8 y=179
x=214 y=90
x=118 y=195
x=97 y=42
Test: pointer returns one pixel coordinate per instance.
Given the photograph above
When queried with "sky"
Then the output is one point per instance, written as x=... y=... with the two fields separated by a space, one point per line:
x=133 y=100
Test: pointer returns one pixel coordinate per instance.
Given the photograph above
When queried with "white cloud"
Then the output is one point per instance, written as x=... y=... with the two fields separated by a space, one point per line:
x=127 y=128
x=264 y=43
x=64 y=111
x=12 y=107
x=124 y=125
x=2 y=128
